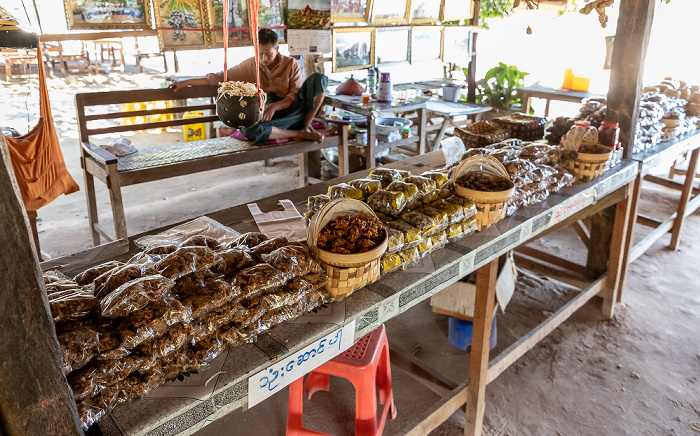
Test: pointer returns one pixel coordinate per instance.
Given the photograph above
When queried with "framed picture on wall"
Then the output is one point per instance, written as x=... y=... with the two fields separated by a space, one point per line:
x=349 y=11
x=271 y=14
x=456 y=10
x=456 y=46
x=108 y=14
x=391 y=11
x=425 y=11
x=426 y=43
x=308 y=14
x=392 y=45
x=182 y=24
x=353 y=48
x=238 y=22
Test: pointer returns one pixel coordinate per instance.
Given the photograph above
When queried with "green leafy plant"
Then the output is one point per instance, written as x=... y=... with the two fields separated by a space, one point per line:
x=499 y=87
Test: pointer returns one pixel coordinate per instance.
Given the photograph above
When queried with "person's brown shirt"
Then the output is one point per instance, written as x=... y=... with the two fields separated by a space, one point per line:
x=284 y=78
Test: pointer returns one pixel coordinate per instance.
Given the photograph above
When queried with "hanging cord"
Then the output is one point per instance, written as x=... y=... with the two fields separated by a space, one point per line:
x=256 y=47
x=227 y=10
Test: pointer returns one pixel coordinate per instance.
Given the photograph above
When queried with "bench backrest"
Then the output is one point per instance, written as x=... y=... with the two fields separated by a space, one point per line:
x=85 y=100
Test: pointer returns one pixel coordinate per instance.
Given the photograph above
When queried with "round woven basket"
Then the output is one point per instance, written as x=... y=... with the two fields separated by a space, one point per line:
x=490 y=206
x=588 y=166
x=239 y=112
x=346 y=272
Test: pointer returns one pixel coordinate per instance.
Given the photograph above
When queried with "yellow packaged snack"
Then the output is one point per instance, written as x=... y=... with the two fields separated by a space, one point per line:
x=367 y=186
x=344 y=190
x=439 y=177
x=395 y=239
x=387 y=202
x=425 y=246
x=390 y=262
x=410 y=233
x=409 y=257
x=439 y=239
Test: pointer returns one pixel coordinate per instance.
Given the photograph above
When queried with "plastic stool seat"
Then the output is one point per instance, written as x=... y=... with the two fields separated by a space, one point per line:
x=366 y=365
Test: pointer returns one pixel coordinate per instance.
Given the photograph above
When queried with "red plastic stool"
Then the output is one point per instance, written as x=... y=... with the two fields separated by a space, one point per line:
x=366 y=365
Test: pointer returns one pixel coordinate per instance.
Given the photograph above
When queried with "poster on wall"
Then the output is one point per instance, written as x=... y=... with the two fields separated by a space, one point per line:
x=238 y=23
x=180 y=24
x=108 y=14
x=308 y=14
x=353 y=48
x=392 y=45
x=457 y=45
x=425 y=11
x=456 y=10
x=426 y=43
x=308 y=41
x=391 y=11
x=349 y=11
x=271 y=14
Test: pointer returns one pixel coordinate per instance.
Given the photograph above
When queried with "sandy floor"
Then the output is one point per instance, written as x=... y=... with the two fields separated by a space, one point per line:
x=634 y=375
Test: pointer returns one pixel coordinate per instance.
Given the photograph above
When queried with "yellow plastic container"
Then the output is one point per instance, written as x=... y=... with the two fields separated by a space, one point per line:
x=197 y=131
x=166 y=104
x=575 y=83
x=130 y=107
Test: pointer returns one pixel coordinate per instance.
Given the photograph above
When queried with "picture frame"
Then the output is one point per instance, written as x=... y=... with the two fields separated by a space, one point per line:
x=271 y=14
x=392 y=45
x=425 y=11
x=424 y=42
x=350 y=11
x=239 y=18
x=391 y=11
x=453 y=10
x=308 y=14
x=189 y=14
x=456 y=45
x=353 y=48
x=107 y=14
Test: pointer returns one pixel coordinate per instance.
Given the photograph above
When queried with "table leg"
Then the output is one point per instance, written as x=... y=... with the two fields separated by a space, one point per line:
x=343 y=157
x=616 y=261
x=447 y=121
x=629 y=239
x=526 y=102
x=371 y=154
x=422 y=130
x=481 y=336
x=685 y=196
x=546 y=108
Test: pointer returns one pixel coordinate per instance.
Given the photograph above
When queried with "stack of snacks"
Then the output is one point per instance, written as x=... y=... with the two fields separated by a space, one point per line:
x=125 y=329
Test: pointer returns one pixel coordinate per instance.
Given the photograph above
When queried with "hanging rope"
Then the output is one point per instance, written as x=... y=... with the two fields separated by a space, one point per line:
x=227 y=9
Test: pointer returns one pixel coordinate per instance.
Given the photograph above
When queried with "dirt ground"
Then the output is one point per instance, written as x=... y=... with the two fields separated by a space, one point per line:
x=634 y=375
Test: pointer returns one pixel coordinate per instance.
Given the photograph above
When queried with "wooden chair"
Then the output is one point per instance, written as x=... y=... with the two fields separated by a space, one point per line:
x=59 y=55
x=17 y=57
x=140 y=55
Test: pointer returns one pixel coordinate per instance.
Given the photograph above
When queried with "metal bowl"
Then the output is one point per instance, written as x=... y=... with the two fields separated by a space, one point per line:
x=386 y=125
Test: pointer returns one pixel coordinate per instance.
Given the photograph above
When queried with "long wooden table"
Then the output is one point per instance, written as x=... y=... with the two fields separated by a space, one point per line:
x=170 y=411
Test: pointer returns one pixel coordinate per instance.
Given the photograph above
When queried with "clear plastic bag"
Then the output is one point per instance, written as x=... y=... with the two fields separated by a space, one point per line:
x=409 y=190
x=292 y=261
x=188 y=360
x=344 y=190
x=134 y=295
x=416 y=219
x=316 y=202
x=468 y=205
x=62 y=285
x=440 y=217
x=152 y=321
x=207 y=350
x=89 y=415
x=89 y=275
x=268 y=247
x=439 y=240
x=391 y=262
x=388 y=202
x=234 y=260
x=409 y=257
x=176 y=339
x=395 y=239
x=454 y=212
x=201 y=241
x=306 y=284
x=259 y=279
x=78 y=347
x=186 y=260
x=425 y=246
x=388 y=175
x=411 y=234
x=107 y=282
x=247 y=240
x=561 y=179
x=439 y=177
x=53 y=276
x=367 y=186
x=454 y=232
x=215 y=294
x=203 y=226
x=213 y=321
x=72 y=304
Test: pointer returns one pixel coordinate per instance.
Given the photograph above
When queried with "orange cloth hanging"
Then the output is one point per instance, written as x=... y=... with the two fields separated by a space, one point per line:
x=37 y=158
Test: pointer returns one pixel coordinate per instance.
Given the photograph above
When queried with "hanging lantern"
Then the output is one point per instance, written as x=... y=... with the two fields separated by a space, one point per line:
x=240 y=104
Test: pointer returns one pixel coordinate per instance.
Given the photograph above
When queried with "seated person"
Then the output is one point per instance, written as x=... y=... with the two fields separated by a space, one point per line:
x=291 y=103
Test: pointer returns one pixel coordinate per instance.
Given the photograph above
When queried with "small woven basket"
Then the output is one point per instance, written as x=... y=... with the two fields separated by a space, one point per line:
x=346 y=272
x=588 y=166
x=490 y=206
x=481 y=134
x=522 y=126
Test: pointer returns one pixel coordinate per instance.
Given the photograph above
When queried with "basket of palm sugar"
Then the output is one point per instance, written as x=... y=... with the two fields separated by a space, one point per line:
x=240 y=104
x=483 y=180
x=348 y=240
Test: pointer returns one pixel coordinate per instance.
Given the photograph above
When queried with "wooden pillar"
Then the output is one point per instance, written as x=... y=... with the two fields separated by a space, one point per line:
x=471 y=76
x=627 y=67
x=35 y=398
x=599 y=245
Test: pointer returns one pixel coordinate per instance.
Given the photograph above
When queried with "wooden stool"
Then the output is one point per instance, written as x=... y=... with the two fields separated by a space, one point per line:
x=366 y=365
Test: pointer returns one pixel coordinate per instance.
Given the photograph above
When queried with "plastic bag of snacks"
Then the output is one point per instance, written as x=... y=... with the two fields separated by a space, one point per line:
x=454 y=212
x=439 y=239
x=391 y=262
x=439 y=177
x=72 y=304
x=152 y=255
x=387 y=202
x=316 y=202
x=234 y=261
x=215 y=294
x=259 y=279
x=247 y=240
x=134 y=295
x=395 y=239
x=410 y=256
x=292 y=261
x=176 y=339
x=440 y=217
x=186 y=260
x=409 y=190
x=201 y=241
x=470 y=226
x=152 y=321
x=89 y=415
x=89 y=275
x=367 y=186
x=425 y=246
x=107 y=282
x=268 y=247
x=388 y=175
x=213 y=321
x=78 y=347
x=425 y=223
x=344 y=190
x=306 y=284
x=411 y=234
x=468 y=205
x=454 y=232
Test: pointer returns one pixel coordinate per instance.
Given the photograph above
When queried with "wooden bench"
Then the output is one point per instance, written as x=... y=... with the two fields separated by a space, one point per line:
x=165 y=161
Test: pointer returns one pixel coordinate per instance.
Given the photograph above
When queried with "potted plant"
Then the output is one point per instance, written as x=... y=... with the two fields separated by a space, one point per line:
x=499 y=87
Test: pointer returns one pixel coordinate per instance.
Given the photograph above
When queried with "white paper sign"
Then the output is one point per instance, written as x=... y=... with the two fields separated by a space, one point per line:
x=281 y=374
x=308 y=41
x=572 y=205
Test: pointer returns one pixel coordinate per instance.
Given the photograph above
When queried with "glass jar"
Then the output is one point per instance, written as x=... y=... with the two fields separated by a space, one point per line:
x=609 y=134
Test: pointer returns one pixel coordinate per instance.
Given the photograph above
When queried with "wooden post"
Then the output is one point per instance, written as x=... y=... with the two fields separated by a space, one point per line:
x=627 y=67
x=484 y=303
x=618 y=245
x=35 y=398
x=599 y=245
x=686 y=194
x=471 y=76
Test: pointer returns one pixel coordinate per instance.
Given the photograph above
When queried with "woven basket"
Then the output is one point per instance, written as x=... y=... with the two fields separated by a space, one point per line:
x=521 y=126
x=588 y=166
x=347 y=272
x=481 y=134
x=490 y=206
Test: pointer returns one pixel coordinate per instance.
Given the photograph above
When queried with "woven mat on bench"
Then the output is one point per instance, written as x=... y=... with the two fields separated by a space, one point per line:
x=181 y=152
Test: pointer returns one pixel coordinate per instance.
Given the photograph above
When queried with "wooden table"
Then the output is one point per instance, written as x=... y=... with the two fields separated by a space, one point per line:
x=549 y=94
x=354 y=104
x=164 y=412
x=448 y=111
